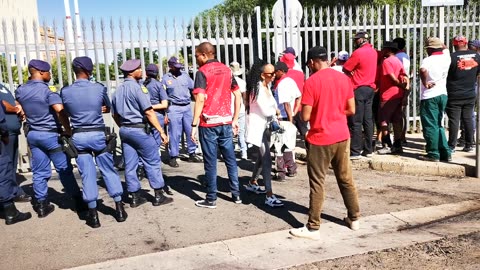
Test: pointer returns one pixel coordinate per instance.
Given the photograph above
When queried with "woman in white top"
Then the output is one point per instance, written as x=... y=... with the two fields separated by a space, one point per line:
x=262 y=109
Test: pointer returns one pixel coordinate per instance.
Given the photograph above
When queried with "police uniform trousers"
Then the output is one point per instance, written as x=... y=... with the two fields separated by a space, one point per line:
x=12 y=152
x=45 y=148
x=138 y=145
x=180 y=119
x=94 y=143
x=8 y=186
x=155 y=133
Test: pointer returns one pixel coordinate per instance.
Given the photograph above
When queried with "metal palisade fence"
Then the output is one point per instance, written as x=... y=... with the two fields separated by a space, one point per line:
x=243 y=38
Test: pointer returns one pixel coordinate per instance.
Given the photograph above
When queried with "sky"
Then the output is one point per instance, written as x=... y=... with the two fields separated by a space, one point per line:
x=50 y=9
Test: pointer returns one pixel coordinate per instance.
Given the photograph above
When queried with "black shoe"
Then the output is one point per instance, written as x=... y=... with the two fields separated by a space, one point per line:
x=79 y=205
x=120 y=214
x=279 y=177
x=194 y=158
x=160 y=198
x=43 y=208
x=23 y=198
x=12 y=215
x=468 y=149
x=427 y=158
x=291 y=174
x=206 y=204
x=236 y=199
x=137 y=200
x=173 y=163
x=92 y=218
x=167 y=190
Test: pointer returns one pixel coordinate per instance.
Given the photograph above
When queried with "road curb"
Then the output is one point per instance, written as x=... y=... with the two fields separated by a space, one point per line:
x=279 y=249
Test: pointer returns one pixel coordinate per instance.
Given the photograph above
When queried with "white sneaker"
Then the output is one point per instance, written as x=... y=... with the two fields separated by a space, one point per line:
x=273 y=201
x=304 y=232
x=255 y=189
x=354 y=225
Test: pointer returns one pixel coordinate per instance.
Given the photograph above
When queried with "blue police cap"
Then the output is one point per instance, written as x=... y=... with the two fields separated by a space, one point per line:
x=151 y=69
x=130 y=65
x=83 y=62
x=39 y=65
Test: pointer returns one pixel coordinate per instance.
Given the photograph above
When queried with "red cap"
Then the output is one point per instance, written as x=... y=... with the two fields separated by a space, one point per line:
x=459 y=40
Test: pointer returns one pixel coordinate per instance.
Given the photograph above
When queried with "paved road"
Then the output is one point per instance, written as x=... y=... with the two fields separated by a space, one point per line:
x=63 y=240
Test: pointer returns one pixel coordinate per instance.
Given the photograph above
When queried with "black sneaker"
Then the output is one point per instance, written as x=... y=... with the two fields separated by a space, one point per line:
x=206 y=204
x=427 y=158
x=194 y=158
x=236 y=199
x=173 y=163
x=468 y=149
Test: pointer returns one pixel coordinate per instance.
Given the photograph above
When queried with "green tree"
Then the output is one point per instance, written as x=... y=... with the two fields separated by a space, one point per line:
x=63 y=71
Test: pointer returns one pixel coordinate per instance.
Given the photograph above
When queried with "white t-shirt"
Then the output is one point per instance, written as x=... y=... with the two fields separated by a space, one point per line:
x=437 y=67
x=243 y=88
x=403 y=57
x=288 y=91
x=338 y=68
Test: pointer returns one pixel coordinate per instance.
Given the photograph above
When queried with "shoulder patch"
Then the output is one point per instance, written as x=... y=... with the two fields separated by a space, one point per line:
x=52 y=88
x=144 y=89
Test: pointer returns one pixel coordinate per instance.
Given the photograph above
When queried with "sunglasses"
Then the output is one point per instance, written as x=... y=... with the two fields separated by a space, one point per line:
x=271 y=73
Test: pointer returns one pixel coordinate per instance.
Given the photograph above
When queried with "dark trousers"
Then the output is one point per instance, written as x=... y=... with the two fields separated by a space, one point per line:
x=460 y=110
x=361 y=123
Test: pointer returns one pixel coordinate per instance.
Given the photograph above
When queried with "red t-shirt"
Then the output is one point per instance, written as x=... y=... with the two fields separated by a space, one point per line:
x=327 y=91
x=299 y=79
x=388 y=91
x=216 y=81
x=363 y=64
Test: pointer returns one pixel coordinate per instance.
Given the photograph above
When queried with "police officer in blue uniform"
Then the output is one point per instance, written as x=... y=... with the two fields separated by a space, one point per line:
x=178 y=85
x=8 y=187
x=45 y=117
x=13 y=114
x=133 y=113
x=85 y=102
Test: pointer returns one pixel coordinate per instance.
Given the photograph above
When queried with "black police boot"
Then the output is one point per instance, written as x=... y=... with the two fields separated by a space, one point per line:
x=12 y=215
x=43 y=208
x=23 y=198
x=160 y=198
x=92 y=218
x=137 y=200
x=79 y=205
x=120 y=214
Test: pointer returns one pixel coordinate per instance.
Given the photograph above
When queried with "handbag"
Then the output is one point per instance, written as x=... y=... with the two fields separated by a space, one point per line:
x=274 y=126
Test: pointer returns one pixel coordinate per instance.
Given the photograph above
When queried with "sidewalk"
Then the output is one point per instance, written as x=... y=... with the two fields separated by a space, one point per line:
x=463 y=164
x=278 y=250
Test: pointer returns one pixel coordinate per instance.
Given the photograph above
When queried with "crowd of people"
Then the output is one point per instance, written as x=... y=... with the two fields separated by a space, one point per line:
x=334 y=111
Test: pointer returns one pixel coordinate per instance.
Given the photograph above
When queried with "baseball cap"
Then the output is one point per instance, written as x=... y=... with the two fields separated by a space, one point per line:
x=433 y=43
x=361 y=34
x=281 y=66
x=173 y=62
x=290 y=50
x=390 y=45
x=83 y=62
x=317 y=52
x=475 y=43
x=459 y=40
x=343 y=55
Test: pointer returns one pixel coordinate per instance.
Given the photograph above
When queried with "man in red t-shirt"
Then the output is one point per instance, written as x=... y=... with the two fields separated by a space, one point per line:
x=362 y=68
x=393 y=82
x=327 y=101
x=213 y=88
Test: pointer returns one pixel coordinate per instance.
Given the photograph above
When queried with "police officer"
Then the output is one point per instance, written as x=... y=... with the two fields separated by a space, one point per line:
x=45 y=117
x=178 y=85
x=85 y=101
x=8 y=186
x=158 y=98
x=12 y=115
x=133 y=113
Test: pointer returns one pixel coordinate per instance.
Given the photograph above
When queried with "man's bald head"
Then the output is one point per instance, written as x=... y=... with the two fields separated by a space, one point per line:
x=204 y=52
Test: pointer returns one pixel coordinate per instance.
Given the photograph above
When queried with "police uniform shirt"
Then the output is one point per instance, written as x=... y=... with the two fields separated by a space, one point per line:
x=83 y=100
x=157 y=92
x=12 y=121
x=130 y=102
x=36 y=99
x=178 y=88
x=3 y=124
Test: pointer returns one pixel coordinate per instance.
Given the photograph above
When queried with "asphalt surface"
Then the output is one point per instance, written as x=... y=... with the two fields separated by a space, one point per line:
x=63 y=240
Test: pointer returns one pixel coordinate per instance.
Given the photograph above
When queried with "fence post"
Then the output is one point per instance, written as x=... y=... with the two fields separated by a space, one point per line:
x=259 y=32
x=441 y=24
x=386 y=14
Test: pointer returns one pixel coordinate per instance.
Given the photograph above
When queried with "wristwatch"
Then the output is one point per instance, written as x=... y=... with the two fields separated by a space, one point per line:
x=194 y=125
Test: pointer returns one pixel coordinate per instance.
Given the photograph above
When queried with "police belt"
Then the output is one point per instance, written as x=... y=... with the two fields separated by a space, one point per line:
x=138 y=125
x=178 y=104
x=78 y=130
x=53 y=130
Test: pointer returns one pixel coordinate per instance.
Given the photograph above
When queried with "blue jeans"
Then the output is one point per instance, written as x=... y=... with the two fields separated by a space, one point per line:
x=241 y=134
x=180 y=118
x=138 y=145
x=45 y=149
x=95 y=142
x=212 y=139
